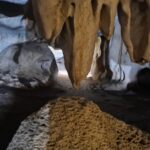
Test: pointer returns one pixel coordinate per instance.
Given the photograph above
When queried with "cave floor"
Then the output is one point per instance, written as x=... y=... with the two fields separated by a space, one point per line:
x=17 y=104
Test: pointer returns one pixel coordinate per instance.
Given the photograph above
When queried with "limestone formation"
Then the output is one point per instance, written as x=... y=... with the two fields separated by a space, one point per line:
x=75 y=123
x=76 y=23
x=72 y=25
x=134 y=16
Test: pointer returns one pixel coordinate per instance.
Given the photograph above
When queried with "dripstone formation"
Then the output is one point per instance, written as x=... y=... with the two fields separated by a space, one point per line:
x=73 y=25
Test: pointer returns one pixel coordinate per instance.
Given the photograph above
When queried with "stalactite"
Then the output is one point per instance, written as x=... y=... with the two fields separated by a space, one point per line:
x=73 y=26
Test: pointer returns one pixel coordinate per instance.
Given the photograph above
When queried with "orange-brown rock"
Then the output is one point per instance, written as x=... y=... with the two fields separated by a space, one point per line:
x=134 y=16
x=76 y=24
x=73 y=24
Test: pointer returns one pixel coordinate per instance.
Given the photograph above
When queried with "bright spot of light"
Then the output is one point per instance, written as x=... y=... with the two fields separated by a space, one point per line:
x=89 y=75
x=63 y=72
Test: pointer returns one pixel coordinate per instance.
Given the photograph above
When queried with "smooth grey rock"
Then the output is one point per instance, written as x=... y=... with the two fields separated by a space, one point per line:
x=28 y=64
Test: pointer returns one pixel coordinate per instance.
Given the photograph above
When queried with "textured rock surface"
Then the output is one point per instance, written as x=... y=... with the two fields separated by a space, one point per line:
x=75 y=123
x=27 y=65
x=75 y=25
x=134 y=17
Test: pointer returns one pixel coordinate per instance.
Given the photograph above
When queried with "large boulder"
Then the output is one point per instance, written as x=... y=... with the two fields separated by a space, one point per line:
x=28 y=64
x=75 y=123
